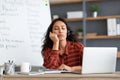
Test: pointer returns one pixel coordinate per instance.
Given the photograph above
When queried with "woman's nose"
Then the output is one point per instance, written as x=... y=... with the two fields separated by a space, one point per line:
x=60 y=30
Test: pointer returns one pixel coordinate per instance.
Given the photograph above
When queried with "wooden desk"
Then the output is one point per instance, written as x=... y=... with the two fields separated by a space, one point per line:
x=62 y=77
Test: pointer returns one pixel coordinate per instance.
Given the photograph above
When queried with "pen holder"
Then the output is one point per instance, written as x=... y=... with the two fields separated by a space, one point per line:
x=9 y=68
x=1 y=69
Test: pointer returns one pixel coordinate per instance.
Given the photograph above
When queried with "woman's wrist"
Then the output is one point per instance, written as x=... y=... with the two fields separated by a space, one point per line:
x=76 y=68
x=55 y=46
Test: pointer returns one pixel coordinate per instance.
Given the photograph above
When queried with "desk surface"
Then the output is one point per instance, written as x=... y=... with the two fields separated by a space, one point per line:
x=63 y=76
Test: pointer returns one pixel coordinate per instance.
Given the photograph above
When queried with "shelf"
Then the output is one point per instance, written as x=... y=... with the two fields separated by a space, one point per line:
x=69 y=2
x=118 y=55
x=100 y=37
x=103 y=17
x=92 y=18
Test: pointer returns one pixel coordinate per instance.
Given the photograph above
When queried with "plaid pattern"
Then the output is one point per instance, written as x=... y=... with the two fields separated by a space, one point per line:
x=72 y=56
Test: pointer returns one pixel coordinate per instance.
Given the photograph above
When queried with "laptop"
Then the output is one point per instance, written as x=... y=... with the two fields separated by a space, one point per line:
x=99 y=60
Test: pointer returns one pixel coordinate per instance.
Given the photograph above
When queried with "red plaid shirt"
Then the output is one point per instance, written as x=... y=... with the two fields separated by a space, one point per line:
x=72 y=56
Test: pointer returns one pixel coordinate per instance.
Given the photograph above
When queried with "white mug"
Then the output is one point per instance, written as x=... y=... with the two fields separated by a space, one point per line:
x=25 y=67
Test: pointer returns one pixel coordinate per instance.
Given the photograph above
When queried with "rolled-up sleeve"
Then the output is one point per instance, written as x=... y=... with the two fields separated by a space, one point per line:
x=51 y=59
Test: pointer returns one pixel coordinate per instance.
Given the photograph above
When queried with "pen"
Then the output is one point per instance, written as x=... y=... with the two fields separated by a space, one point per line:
x=8 y=61
x=11 y=61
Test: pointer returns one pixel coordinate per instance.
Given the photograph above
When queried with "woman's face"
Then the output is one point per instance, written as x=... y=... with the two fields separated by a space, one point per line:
x=60 y=29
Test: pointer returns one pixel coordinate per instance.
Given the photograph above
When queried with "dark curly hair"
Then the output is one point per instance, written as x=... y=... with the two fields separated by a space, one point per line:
x=47 y=42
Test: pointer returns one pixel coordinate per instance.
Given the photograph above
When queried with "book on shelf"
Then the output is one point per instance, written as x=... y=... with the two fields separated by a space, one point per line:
x=118 y=26
x=113 y=26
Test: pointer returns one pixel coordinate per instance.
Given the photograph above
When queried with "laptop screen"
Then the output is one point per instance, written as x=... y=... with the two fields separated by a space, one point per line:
x=99 y=60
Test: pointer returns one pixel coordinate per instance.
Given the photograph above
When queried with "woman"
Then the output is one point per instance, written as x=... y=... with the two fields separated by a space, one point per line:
x=61 y=50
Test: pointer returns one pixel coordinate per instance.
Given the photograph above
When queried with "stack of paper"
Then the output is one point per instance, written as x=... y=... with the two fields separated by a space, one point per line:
x=30 y=73
x=46 y=71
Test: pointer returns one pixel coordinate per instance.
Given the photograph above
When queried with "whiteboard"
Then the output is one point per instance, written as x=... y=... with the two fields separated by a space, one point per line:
x=22 y=27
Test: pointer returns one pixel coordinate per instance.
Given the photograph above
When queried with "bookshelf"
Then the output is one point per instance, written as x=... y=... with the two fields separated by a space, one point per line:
x=102 y=17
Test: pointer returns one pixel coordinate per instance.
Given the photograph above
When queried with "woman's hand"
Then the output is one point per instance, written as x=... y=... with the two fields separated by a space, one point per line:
x=71 y=69
x=55 y=40
x=65 y=67
x=53 y=37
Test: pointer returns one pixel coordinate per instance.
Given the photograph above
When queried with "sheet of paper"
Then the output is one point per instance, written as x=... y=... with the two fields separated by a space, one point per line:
x=49 y=71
